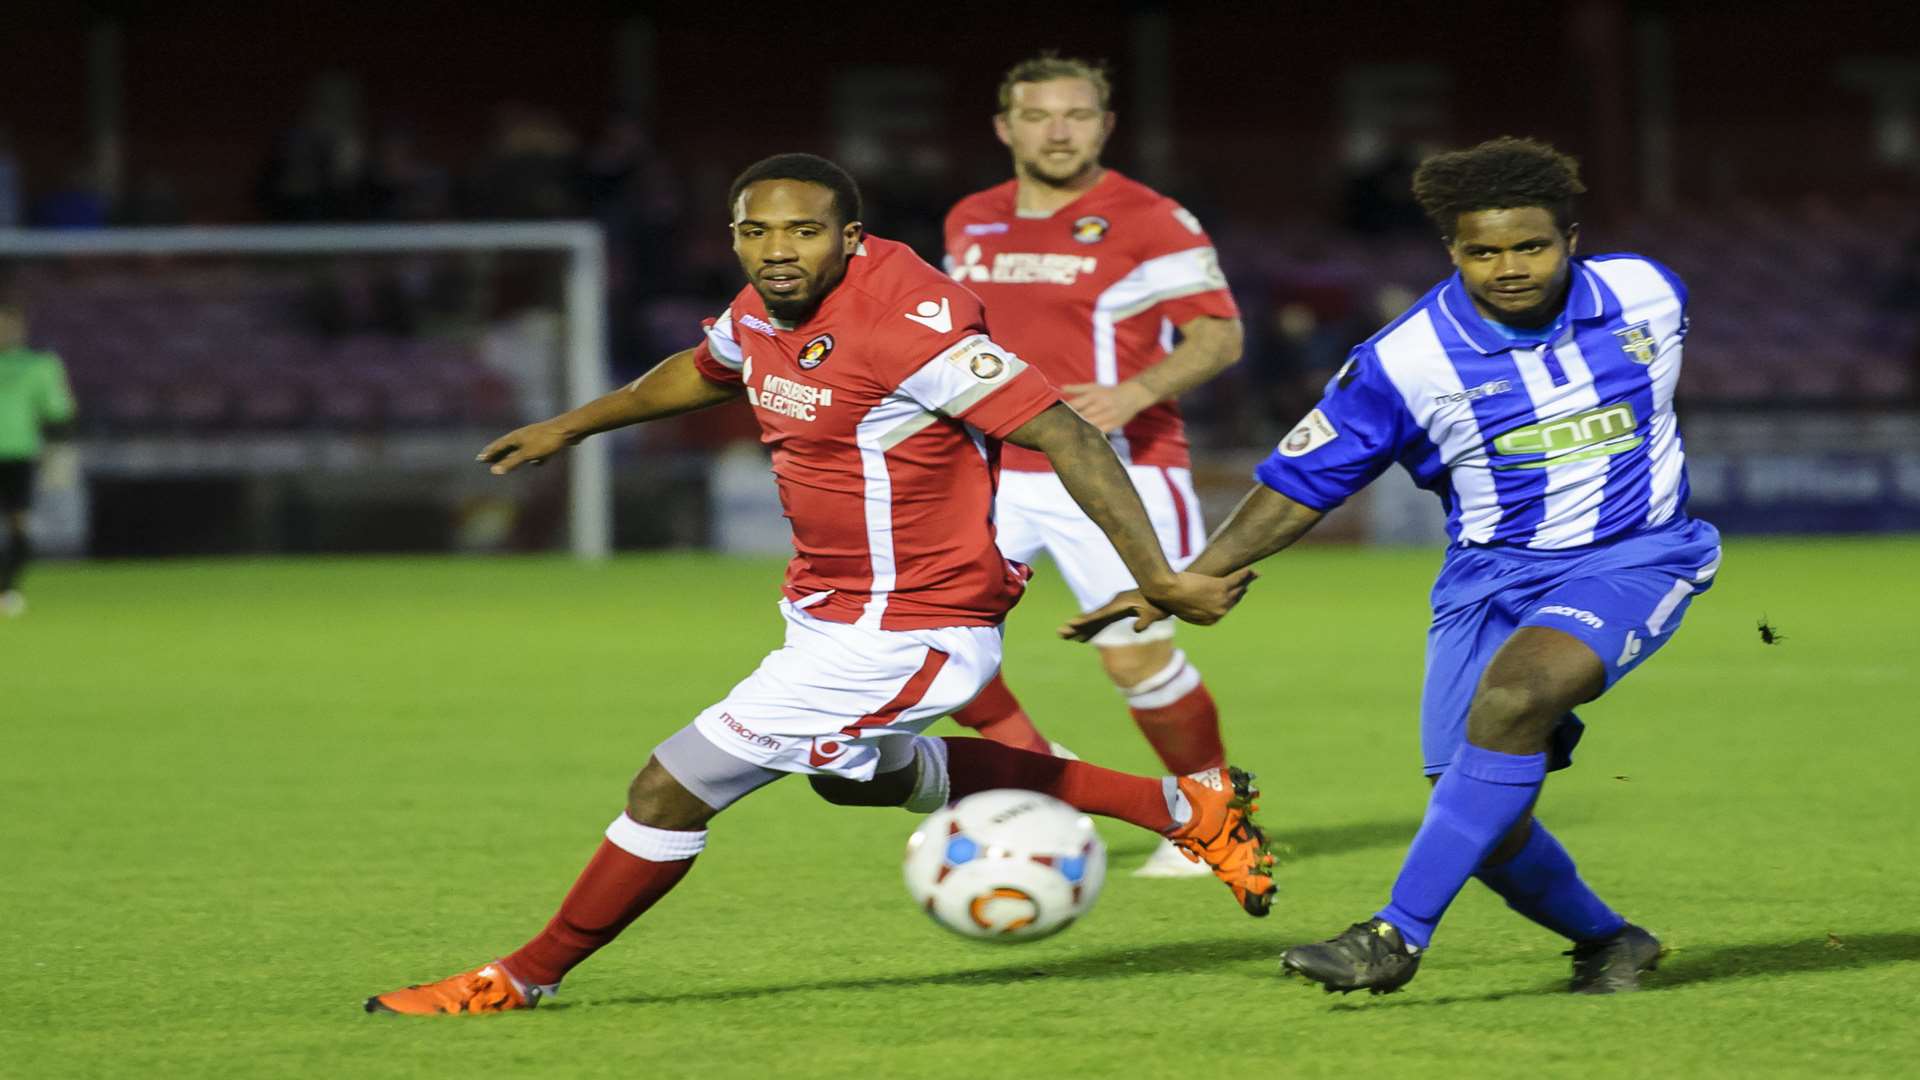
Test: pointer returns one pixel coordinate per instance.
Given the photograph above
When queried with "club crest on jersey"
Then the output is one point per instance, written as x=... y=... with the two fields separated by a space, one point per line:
x=1091 y=229
x=815 y=352
x=1310 y=434
x=1637 y=343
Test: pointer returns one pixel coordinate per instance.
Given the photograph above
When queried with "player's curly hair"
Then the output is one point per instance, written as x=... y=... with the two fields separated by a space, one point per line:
x=1051 y=65
x=1499 y=174
x=811 y=168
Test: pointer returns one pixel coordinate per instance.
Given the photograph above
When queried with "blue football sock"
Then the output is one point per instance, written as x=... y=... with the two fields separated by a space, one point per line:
x=1542 y=884
x=1481 y=796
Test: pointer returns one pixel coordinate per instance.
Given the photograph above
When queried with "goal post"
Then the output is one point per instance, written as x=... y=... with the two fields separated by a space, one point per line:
x=589 y=494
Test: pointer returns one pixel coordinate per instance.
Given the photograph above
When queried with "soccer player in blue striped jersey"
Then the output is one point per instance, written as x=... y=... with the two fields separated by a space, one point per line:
x=1532 y=391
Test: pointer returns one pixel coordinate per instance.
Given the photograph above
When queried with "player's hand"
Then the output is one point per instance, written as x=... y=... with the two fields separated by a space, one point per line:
x=1108 y=407
x=1197 y=598
x=533 y=444
x=1126 y=605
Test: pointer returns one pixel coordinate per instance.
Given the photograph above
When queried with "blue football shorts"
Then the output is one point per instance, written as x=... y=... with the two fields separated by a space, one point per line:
x=1623 y=598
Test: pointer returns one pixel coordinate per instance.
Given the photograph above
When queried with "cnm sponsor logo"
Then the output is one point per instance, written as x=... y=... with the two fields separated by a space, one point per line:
x=1596 y=433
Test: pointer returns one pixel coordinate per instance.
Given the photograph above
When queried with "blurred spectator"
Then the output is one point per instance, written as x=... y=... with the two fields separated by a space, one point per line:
x=1903 y=284
x=78 y=203
x=400 y=184
x=1377 y=190
x=152 y=200
x=316 y=169
x=621 y=157
x=12 y=184
x=531 y=170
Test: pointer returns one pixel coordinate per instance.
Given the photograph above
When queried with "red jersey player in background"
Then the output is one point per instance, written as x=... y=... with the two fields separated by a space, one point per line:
x=1087 y=274
x=884 y=403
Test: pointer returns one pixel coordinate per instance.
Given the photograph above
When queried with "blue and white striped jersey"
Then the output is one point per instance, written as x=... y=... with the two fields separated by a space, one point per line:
x=1548 y=446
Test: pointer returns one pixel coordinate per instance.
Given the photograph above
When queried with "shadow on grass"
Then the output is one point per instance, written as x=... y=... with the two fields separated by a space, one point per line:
x=1684 y=966
x=1171 y=957
x=1304 y=842
x=1836 y=952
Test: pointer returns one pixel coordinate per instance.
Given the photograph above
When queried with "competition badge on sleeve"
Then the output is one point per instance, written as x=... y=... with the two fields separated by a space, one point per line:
x=1311 y=433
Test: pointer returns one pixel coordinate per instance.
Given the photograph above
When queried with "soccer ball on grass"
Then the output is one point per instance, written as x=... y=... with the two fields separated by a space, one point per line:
x=1006 y=866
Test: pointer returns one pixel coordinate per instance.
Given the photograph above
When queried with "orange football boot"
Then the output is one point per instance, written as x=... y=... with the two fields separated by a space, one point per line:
x=487 y=988
x=1221 y=833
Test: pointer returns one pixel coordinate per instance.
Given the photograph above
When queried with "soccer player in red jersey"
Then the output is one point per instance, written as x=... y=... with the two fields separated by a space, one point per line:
x=885 y=405
x=1088 y=275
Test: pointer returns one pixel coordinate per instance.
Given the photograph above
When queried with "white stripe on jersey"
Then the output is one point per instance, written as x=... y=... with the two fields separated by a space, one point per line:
x=1414 y=360
x=948 y=385
x=1155 y=281
x=882 y=419
x=952 y=382
x=1636 y=284
x=1571 y=509
x=721 y=343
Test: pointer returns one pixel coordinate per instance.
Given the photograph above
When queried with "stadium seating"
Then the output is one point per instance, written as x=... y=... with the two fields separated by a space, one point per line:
x=233 y=348
x=1810 y=303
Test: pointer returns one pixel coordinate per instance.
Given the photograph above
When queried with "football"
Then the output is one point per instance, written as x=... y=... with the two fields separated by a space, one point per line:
x=1006 y=866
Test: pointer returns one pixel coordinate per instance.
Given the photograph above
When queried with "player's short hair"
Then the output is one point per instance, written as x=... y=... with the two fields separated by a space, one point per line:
x=1499 y=174
x=811 y=168
x=1051 y=65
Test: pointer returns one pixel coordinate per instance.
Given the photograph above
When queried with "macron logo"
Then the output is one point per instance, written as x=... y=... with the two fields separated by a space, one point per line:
x=1577 y=615
x=936 y=317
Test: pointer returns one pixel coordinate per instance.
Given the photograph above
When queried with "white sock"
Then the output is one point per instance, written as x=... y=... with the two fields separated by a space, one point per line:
x=930 y=782
x=1166 y=686
x=1178 y=808
x=533 y=992
x=655 y=845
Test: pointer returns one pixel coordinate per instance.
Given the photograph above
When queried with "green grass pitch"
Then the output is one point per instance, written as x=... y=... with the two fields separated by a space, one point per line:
x=237 y=797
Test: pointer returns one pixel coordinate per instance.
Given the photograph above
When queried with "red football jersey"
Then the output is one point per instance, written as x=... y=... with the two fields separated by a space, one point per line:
x=884 y=411
x=1091 y=293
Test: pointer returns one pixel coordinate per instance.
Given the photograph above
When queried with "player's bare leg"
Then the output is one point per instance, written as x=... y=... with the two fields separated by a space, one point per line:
x=1208 y=814
x=646 y=852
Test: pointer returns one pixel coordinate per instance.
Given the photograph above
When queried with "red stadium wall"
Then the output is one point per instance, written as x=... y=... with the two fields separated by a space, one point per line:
x=1255 y=94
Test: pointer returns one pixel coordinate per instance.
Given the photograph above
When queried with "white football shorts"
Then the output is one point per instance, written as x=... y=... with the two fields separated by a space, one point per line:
x=845 y=700
x=1034 y=513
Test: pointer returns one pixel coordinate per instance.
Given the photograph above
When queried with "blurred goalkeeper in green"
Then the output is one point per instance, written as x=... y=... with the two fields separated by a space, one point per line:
x=35 y=404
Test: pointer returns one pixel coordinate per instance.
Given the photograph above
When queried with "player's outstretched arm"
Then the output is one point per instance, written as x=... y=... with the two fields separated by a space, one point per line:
x=675 y=386
x=1099 y=483
x=1208 y=345
x=1265 y=522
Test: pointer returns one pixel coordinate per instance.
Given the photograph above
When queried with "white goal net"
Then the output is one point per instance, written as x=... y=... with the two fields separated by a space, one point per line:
x=320 y=388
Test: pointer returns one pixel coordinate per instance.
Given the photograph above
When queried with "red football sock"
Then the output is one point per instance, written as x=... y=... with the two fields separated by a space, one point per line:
x=982 y=765
x=997 y=714
x=1178 y=717
x=614 y=889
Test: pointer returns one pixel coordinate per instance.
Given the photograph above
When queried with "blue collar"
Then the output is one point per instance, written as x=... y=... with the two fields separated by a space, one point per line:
x=1587 y=298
